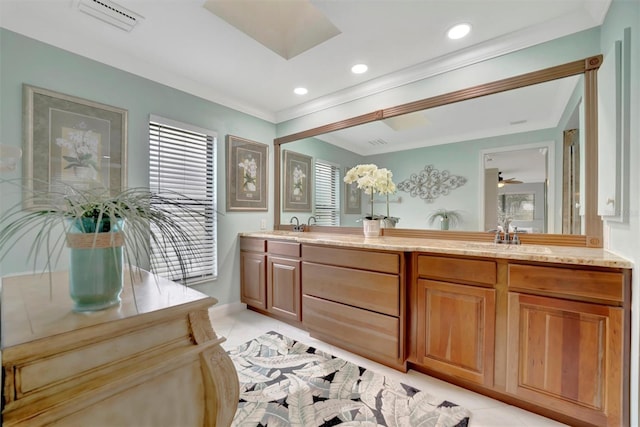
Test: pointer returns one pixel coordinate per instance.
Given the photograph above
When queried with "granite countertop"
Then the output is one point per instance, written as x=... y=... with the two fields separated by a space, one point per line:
x=558 y=254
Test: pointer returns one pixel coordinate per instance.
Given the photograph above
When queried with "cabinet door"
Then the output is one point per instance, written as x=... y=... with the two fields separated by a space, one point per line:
x=567 y=355
x=456 y=327
x=252 y=279
x=283 y=288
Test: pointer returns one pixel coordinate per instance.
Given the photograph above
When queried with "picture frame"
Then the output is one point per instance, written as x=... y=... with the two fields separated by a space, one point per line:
x=298 y=175
x=247 y=174
x=352 y=197
x=70 y=143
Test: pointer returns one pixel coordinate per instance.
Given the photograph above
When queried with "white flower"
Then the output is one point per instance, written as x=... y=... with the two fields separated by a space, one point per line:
x=371 y=179
x=250 y=173
x=63 y=143
x=82 y=148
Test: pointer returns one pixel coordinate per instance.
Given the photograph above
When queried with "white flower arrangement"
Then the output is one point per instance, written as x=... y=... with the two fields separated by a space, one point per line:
x=298 y=181
x=372 y=180
x=80 y=149
x=250 y=175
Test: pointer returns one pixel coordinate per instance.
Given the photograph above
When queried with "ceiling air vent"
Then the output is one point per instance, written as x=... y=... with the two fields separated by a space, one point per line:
x=111 y=13
x=377 y=142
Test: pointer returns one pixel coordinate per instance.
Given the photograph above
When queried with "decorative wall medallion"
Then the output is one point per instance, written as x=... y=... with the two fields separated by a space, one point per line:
x=430 y=183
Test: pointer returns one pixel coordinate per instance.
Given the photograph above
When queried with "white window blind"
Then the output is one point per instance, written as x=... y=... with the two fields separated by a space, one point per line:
x=182 y=159
x=327 y=194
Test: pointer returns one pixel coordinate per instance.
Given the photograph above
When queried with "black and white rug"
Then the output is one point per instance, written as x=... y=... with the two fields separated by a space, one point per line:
x=284 y=382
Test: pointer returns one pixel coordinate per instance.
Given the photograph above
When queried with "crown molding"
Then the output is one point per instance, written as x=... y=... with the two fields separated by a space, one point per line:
x=493 y=48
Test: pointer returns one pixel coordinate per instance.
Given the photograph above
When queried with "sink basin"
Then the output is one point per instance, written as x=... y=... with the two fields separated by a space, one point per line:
x=533 y=249
x=493 y=247
x=284 y=232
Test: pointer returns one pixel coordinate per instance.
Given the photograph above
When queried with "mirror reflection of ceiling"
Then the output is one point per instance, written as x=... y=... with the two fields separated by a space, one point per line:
x=529 y=108
x=519 y=166
x=228 y=67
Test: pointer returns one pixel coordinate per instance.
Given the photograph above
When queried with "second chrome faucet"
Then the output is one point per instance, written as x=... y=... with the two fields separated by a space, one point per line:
x=300 y=227
x=297 y=226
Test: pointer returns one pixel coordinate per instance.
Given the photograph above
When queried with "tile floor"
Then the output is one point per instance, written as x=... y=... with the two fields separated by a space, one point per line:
x=244 y=325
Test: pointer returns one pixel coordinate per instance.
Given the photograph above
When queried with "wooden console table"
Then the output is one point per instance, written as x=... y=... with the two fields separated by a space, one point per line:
x=153 y=360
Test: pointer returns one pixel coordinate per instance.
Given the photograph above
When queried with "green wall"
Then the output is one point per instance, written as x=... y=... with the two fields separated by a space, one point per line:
x=24 y=60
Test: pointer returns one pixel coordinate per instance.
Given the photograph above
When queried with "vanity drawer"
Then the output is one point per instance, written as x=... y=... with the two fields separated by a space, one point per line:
x=252 y=244
x=361 y=331
x=458 y=269
x=275 y=247
x=365 y=289
x=364 y=260
x=603 y=286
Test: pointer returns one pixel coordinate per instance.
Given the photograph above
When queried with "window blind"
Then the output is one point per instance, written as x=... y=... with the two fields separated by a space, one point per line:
x=327 y=193
x=182 y=159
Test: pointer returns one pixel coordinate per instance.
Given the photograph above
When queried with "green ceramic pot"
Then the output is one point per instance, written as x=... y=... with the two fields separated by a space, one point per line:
x=96 y=265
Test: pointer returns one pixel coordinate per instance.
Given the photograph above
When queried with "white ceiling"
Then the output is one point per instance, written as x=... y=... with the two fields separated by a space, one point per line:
x=181 y=44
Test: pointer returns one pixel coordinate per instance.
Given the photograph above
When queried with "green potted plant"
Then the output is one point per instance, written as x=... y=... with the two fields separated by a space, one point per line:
x=103 y=231
x=447 y=218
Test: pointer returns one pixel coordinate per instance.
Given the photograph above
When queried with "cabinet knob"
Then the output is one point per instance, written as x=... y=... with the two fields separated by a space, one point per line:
x=611 y=202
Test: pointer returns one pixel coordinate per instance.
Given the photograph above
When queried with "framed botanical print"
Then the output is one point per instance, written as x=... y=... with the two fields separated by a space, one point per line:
x=352 y=197
x=298 y=175
x=247 y=178
x=69 y=143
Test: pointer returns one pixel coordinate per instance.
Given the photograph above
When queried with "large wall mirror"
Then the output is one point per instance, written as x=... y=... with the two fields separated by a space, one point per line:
x=517 y=148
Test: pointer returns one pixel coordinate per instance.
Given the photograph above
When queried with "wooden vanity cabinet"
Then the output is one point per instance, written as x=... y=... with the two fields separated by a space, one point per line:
x=453 y=312
x=253 y=270
x=270 y=277
x=283 y=280
x=552 y=338
x=567 y=350
x=355 y=299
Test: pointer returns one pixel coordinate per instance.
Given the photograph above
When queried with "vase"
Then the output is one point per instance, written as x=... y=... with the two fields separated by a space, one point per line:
x=389 y=222
x=83 y=172
x=96 y=273
x=371 y=227
x=444 y=223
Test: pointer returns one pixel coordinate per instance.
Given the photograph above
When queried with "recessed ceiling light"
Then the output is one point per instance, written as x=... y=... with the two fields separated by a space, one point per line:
x=458 y=31
x=300 y=91
x=359 y=69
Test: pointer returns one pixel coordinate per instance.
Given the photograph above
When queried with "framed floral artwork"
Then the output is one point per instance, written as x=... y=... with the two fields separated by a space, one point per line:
x=298 y=176
x=352 y=197
x=247 y=183
x=70 y=142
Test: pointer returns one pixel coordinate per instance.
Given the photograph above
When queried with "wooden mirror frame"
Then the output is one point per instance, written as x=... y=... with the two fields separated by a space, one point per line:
x=593 y=224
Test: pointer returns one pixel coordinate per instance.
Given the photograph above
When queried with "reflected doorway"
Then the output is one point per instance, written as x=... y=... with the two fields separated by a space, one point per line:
x=517 y=188
x=571 y=218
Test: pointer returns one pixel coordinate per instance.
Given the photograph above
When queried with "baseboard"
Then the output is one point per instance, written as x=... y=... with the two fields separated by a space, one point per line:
x=226 y=309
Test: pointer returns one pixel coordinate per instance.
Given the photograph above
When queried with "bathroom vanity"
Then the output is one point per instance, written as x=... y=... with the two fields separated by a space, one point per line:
x=542 y=327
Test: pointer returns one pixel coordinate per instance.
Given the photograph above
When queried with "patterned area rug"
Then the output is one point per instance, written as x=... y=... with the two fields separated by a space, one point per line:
x=286 y=383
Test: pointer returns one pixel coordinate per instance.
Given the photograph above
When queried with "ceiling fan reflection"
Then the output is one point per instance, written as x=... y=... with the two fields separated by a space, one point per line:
x=502 y=181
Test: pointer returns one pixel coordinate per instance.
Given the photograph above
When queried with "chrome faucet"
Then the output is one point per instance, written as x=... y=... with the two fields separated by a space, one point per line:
x=297 y=226
x=515 y=240
x=506 y=238
x=309 y=220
